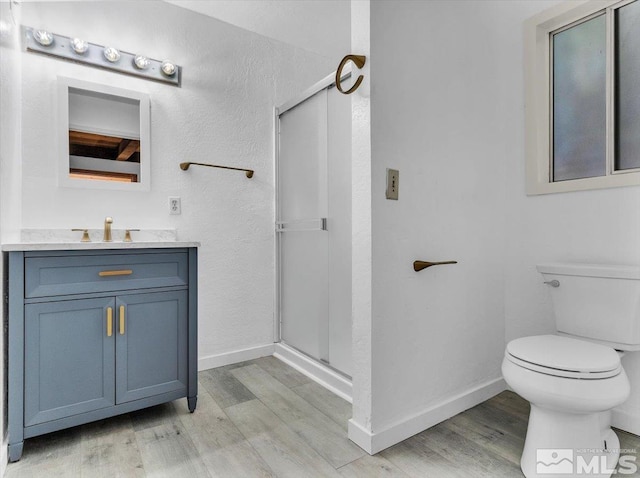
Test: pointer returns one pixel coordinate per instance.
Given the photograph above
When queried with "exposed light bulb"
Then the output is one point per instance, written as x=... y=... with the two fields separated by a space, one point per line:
x=43 y=37
x=168 y=68
x=79 y=46
x=111 y=54
x=141 y=62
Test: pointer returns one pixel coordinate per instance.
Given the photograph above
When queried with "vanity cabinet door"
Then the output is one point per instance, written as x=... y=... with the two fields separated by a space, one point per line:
x=69 y=358
x=151 y=344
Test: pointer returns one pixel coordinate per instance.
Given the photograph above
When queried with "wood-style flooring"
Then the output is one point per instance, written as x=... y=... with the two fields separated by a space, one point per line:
x=264 y=419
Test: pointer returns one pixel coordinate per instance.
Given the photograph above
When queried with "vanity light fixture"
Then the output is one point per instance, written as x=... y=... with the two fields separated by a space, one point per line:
x=111 y=54
x=141 y=62
x=81 y=51
x=43 y=37
x=79 y=46
x=168 y=68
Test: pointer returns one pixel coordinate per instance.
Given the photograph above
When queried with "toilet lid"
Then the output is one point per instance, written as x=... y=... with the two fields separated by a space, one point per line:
x=564 y=356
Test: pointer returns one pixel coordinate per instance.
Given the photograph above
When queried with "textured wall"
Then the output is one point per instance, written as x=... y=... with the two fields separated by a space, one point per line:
x=223 y=114
x=601 y=226
x=10 y=134
x=448 y=111
x=10 y=183
x=318 y=26
x=443 y=123
x=361 y=266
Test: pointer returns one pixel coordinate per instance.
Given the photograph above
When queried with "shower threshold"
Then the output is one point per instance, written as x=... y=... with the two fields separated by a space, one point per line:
x=318 y=371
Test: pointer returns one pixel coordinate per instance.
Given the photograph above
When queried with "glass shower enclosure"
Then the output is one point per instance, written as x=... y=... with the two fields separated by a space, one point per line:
x=313 y=224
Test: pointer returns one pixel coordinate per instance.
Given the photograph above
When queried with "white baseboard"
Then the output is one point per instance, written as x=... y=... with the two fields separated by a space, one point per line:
x=360 y=436
x=374 y=442
x=625 y=421
x=228 y=358
x=325 y=376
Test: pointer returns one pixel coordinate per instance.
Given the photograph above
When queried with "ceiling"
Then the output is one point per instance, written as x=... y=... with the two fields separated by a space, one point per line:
x=320 y=26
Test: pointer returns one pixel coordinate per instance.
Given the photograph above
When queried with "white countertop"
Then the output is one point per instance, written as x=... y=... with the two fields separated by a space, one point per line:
x=90 y=246
x=68 y=240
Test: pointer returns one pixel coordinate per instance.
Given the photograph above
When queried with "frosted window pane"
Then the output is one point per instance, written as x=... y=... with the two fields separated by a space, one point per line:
x=579 y=101
x=628 y=87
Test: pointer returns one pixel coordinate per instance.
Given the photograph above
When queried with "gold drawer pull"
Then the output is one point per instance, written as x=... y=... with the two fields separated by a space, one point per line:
x=122 y=320
x=109 y=321
x=123 y=272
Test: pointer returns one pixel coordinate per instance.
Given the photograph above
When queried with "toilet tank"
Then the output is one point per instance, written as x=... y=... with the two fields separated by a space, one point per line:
x=597 y=302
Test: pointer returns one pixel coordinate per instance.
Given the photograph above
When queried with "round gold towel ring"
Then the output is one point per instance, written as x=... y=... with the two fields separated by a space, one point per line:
x=359 y=61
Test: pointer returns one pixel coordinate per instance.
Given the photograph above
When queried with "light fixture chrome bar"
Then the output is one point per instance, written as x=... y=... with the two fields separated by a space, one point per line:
x=61 y=48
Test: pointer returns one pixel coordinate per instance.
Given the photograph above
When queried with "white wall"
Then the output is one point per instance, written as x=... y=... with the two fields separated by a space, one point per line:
x=361 y=273
x=10 y=170
x=318 y=26
x=223 y=114
x=10 y=126
x=440 y=116
x=601 y=226
x=447 y=110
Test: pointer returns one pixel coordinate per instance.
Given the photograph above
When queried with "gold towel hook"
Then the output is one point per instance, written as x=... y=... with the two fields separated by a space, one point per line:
x=359 y=61
x=419 y=265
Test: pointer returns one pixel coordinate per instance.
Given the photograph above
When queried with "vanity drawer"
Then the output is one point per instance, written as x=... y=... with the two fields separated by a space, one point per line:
x=82 y=274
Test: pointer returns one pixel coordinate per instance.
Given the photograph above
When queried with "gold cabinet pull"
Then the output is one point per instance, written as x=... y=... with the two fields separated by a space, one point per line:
x=122 y=320
x=109 y=321
x=123 y=272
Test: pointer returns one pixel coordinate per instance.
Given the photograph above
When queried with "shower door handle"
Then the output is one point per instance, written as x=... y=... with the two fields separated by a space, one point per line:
x=319 y=224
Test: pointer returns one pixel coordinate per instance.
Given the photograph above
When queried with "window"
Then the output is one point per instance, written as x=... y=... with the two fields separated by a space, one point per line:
x=582 y=64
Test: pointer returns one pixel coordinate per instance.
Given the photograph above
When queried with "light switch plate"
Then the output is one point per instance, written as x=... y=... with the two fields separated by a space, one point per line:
x=393 y=183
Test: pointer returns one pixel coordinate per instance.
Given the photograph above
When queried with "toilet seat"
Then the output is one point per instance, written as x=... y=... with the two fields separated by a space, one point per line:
x=564 y=357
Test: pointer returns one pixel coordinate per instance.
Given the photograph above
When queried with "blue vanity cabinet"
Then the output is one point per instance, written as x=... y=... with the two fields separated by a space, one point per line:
x=97 y=333
x=69 y=359
x=151 y=345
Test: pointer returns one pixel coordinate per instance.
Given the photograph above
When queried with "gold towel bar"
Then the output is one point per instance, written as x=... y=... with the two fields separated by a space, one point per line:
x=419 y=265
x=185 y=166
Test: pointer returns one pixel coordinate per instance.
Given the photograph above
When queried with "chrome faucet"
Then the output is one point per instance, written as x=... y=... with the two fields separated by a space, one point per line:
x=107 y=229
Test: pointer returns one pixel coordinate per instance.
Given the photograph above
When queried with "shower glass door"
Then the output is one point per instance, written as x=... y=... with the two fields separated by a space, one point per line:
x=303 y=240
x=314 y=227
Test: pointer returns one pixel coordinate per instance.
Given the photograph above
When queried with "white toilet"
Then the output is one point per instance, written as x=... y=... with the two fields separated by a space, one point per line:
x=575 y=378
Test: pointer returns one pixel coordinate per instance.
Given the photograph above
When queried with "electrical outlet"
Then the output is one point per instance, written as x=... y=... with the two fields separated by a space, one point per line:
x=393 y=183
x=174 y=205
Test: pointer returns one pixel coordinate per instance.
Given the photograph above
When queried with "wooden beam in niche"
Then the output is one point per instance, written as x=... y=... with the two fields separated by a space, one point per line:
x=90 y=139
x=104 y=147
x=103 y=175
x=127 y=149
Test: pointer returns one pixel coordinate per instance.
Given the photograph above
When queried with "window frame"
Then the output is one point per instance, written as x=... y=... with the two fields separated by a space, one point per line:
x=539 y=97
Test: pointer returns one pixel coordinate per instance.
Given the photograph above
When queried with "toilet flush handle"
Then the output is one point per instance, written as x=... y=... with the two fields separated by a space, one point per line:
x=553 y=283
